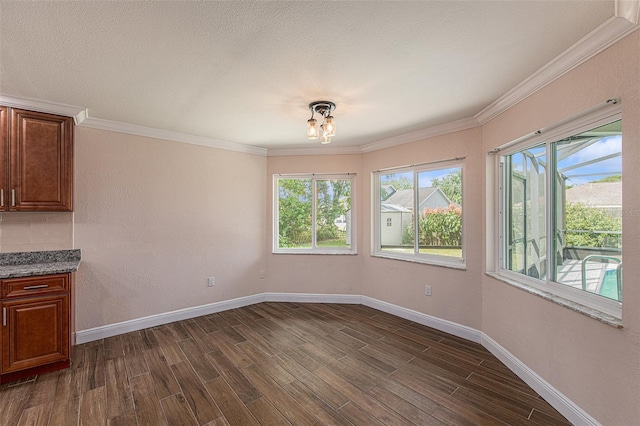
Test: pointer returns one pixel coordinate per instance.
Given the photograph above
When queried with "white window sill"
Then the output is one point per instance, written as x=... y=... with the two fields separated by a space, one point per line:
x=316 y=252
x=562 y=301
x=452 y=264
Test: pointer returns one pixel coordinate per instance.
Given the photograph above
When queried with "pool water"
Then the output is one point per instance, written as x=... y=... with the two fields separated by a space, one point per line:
x=609 y=286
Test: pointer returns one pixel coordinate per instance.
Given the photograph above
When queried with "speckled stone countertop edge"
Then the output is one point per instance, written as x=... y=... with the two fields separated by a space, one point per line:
x=29 y=264
x=35 y=257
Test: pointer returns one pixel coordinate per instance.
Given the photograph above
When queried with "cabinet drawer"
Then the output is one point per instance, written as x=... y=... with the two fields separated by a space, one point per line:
x=31 y=286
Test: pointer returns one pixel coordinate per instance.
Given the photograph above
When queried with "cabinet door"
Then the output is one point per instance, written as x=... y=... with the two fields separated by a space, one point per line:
x=4 y=157
x=41 y=169
x=36 y=332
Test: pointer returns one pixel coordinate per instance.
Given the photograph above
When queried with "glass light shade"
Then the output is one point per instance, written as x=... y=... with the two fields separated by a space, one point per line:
x=325 y=139
x=330 y=125
x=312 y=128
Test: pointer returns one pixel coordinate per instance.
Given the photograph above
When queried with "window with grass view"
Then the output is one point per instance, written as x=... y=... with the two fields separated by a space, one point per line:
x=313 y=214
x=419 y=214
x=562 y=211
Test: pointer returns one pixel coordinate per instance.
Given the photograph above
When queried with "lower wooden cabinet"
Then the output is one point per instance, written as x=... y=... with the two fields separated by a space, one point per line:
x=36 y=333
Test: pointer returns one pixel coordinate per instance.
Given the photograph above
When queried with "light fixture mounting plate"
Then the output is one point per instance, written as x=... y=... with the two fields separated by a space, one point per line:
x=322 y=107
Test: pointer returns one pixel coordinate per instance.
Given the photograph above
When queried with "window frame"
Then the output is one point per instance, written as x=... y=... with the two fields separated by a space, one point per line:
x=314 y=249
x=428 y=259
x=548 y=137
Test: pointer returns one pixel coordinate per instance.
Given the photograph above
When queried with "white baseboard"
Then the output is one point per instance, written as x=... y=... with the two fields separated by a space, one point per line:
x=554 y=397
x=557 y=399
x=354 y=299
x=424 y=319
x=103 y=332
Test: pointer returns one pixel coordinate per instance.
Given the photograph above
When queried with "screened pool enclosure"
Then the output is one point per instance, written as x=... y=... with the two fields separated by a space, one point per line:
x=563 y=198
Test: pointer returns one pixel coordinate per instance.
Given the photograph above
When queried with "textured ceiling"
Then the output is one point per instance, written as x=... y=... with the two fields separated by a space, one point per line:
x=245 y=71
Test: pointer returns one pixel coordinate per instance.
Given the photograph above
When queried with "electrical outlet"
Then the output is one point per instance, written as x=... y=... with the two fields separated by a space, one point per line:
x=262 y=274
x=427 y=290
x=211 y=281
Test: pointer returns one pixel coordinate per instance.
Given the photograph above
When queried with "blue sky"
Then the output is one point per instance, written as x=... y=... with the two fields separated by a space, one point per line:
x=424 y=178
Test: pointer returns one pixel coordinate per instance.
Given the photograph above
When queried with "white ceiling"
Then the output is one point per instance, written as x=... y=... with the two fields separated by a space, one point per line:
x=245 y=71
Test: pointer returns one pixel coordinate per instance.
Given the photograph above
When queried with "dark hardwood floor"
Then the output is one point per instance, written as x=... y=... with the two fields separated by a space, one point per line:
x=279 y=363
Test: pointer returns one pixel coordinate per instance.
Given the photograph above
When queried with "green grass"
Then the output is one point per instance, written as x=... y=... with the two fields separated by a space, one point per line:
x=338 y=242
x=452 y=252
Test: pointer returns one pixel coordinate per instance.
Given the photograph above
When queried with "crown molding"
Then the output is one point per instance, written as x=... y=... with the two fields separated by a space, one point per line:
x=587 y=47
x=133 y=129
x=625 y=21
x=429 y=132
x=629 y=10
x=78 y=113
x=343 y=150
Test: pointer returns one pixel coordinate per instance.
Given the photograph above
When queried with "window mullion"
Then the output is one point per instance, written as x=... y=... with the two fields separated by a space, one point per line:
x=416 y=215
x=551 y=212
x=501 y=215
x=314 y=195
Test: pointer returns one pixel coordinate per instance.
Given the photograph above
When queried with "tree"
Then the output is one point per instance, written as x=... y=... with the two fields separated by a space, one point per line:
x=333 y=199
x=451 y=185
x=398 y=182
x=294 y=210
x=437 y=227
x=581 y=217
x=614 y=178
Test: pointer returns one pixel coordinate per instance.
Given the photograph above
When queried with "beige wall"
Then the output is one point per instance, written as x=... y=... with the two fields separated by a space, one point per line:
x=325 y=274
x=35 y=231
x=595 y=365
x=455 y=293
x=155 y=218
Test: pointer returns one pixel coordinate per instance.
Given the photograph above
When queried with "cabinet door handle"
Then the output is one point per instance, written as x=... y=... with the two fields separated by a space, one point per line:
x=1 y=197
x=4 y=317
x=34 y=287
x=13 y=198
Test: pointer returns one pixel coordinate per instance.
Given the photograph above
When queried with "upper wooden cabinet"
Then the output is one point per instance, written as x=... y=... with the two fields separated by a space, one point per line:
x=36 y=161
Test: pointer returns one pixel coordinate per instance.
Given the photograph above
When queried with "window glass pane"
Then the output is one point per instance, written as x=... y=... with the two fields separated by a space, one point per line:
x=440 y=212
x=333 y=213
x=294 y=213
x=525 y=212
x=396 y=212
x=588 y=212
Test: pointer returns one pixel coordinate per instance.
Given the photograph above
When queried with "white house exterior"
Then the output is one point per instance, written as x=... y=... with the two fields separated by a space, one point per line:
x=396 y=211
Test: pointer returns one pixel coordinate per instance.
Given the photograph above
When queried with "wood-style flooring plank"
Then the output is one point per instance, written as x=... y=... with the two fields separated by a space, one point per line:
x=37 y=415
x=125 y=419
x=94 y=367
x=113 y=347
x=146 y=402
x=44 y=389
x=266 y=414
x=93 y=410
x=278 y=397
x=326 y=392
x=119 y=399
x=279 y=363
x=314 y=404
x=198 y=359
x=242 y=387
x=176 y=409
x=133 y=354
x=361 y=398
x=234 y=411
x=195 y=393
x=358 y=416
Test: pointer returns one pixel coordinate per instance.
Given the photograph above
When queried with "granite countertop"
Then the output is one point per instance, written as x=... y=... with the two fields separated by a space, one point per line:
x=29 y=264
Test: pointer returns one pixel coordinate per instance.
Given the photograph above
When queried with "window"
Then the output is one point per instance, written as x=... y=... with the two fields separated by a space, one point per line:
x=313 y=214
x=421 y=207
x=561 y=210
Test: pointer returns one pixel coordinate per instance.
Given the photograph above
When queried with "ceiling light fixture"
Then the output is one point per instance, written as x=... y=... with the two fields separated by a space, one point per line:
x=328 y=126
